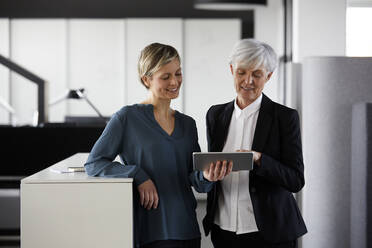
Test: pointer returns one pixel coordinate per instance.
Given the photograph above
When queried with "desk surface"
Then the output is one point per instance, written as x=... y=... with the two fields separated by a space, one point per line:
x=49 y=176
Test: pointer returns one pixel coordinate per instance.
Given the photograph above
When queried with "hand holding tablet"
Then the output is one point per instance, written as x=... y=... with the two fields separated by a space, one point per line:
x=217 y=170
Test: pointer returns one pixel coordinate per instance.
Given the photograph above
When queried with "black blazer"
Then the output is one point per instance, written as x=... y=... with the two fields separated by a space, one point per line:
x=281 y=172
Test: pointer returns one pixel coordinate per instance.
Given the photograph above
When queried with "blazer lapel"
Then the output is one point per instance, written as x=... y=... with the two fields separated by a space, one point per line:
x=224 y=120
x=263 y=125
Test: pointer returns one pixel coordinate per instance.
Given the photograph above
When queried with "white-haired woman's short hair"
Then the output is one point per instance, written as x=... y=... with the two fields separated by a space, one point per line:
x=251 y=52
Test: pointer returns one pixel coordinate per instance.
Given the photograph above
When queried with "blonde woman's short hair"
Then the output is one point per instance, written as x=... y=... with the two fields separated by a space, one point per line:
x=153 y=57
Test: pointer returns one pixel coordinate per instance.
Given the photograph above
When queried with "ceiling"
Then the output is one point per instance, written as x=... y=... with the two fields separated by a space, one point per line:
x=118 y=9
x=109 y=8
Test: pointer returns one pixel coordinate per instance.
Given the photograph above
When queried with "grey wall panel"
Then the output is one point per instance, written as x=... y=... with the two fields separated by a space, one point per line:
x=361 y=176
x=330 y=86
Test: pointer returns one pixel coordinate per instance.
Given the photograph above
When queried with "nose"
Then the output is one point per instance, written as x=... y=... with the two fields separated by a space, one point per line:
x=174 y=81
x=248 y=79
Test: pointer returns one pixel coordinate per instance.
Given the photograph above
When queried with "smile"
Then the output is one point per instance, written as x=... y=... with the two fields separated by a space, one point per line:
x=246 y=88
x=173 y=90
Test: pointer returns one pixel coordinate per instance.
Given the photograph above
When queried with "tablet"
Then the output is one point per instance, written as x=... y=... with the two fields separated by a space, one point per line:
x=241 y=160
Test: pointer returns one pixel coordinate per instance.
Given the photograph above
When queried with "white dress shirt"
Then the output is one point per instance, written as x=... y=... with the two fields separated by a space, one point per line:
x=234 y=210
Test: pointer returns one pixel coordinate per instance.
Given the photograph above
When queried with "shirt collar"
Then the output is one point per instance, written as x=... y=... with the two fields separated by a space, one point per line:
x=250 y=109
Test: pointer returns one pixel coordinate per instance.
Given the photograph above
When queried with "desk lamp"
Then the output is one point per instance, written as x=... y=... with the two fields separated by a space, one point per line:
x=76 y=94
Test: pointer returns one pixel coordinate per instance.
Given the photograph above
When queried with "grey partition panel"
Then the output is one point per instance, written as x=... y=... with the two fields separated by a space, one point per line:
x=361 y=176
x=330 y=87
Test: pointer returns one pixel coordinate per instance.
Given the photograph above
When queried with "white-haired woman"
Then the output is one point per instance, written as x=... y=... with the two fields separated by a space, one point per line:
x=255 y=208
x=155 y=143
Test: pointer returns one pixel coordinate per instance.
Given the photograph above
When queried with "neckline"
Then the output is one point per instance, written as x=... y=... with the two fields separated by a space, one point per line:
x=150 y=111
x=248 y=110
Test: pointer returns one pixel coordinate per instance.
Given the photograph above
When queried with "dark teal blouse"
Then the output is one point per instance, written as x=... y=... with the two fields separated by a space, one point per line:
x=148 y=152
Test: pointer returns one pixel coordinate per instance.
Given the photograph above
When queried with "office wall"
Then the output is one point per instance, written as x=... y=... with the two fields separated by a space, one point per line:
x=40 y=47
x=319 y=28
x=142 y=31
x=96 y=62
x=331 y=85
x=101 y=56
x=208 y=79
x=269 y=28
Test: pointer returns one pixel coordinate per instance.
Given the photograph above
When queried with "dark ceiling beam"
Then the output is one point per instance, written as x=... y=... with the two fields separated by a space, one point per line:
x=118 y=9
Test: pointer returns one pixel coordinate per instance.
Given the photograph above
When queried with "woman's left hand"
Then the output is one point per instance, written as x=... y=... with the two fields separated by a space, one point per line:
x=256 y=155
x=148 y=195
x=218 y=170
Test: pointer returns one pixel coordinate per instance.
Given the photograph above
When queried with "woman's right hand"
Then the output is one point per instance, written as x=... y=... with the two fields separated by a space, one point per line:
x=217 y=171
x=148 y=195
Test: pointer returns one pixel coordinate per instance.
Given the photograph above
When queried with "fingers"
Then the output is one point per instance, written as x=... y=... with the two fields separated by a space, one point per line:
x=147 y=199
x=153 y=199
x=222 y=173
x=156 y=200
x=230 y=166
x=142 y=197
x=148 y=195
x=212 y=167
x=217 y=171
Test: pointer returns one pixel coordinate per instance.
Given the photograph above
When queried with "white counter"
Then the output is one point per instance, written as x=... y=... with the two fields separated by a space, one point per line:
x=75 y=210
x=49 y=175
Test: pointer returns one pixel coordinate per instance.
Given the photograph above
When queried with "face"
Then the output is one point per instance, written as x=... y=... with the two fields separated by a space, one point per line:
x=166 y=82
x=249 y=82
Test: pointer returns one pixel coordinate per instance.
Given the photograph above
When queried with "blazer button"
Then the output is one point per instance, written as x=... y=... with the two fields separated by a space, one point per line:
x=253 y=190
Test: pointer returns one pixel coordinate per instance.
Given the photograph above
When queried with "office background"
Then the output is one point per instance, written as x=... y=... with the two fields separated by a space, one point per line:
x=98 y=51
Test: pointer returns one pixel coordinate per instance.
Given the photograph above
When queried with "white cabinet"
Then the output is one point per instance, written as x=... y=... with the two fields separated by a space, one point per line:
x=74 y=210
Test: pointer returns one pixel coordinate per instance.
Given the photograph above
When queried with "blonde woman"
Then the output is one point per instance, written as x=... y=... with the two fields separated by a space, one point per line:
x=155 y=143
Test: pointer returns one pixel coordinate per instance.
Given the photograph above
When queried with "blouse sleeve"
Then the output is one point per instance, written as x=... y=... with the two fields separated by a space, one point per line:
x=100 y=160
x=196 y=178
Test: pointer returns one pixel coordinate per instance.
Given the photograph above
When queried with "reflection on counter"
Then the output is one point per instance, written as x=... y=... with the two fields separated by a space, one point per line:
x=79 y=121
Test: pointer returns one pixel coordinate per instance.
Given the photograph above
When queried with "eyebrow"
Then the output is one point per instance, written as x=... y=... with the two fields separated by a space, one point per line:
x=169 y=73
x=254 y=70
